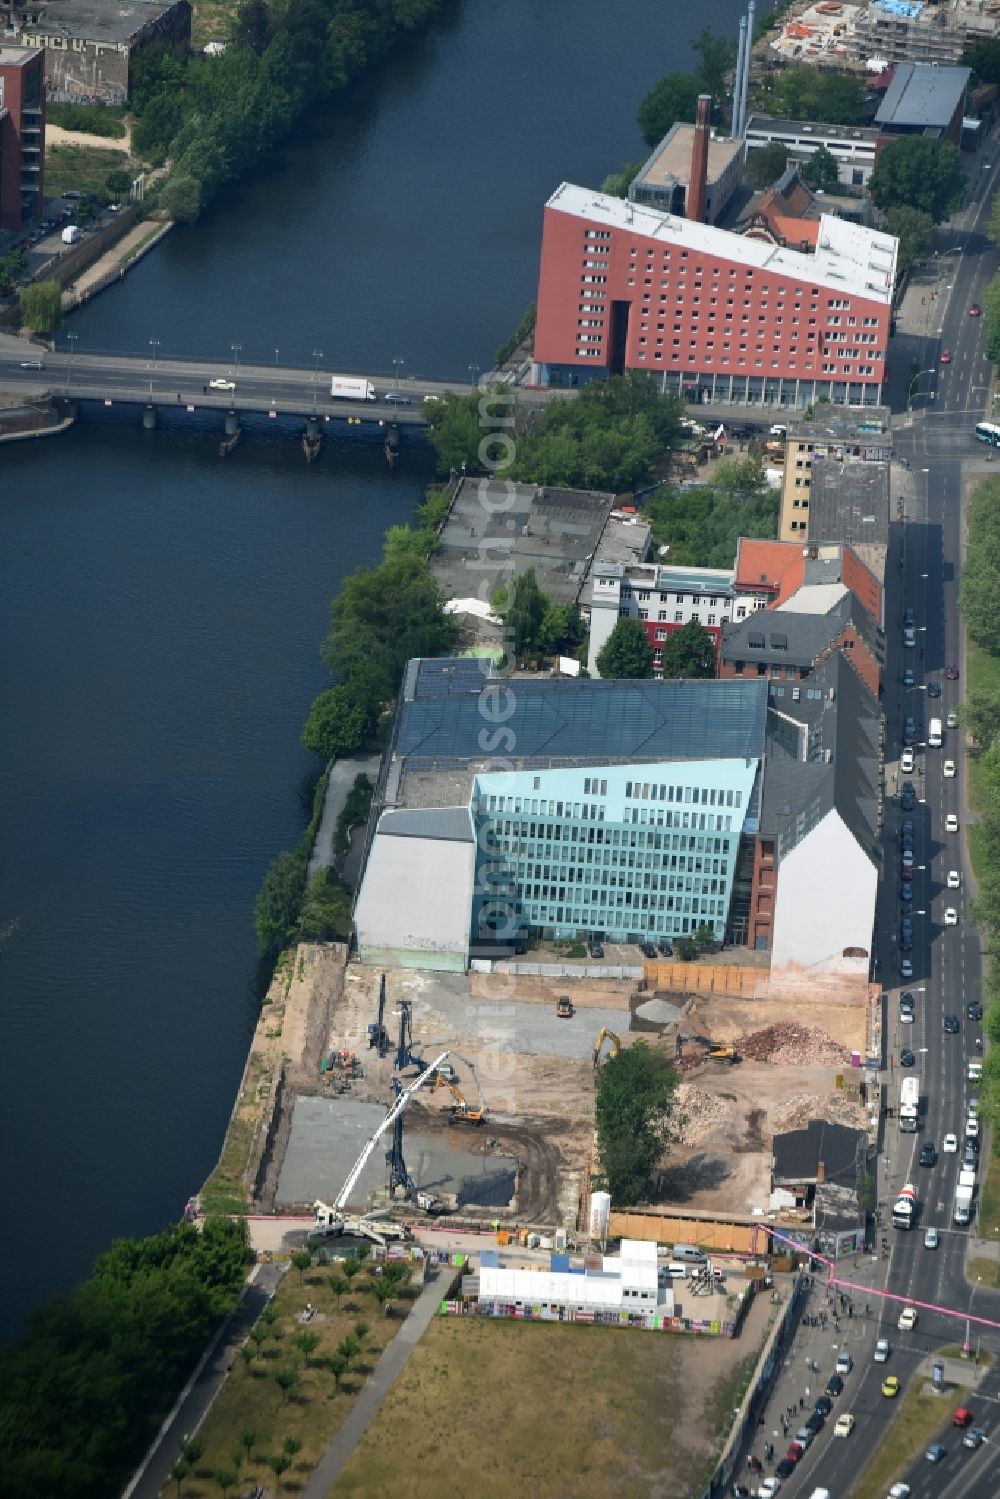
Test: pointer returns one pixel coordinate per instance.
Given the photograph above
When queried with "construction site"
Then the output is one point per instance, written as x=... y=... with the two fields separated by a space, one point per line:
x=498 y=1071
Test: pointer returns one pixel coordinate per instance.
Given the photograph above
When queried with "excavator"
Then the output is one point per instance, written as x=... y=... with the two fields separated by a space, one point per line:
x=605 y=1035
x=461 y=1113
x=714 y=1051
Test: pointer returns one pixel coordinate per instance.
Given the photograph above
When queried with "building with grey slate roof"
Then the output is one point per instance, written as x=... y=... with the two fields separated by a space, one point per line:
x=788 y=644
x=511 y=809
x=924 y=99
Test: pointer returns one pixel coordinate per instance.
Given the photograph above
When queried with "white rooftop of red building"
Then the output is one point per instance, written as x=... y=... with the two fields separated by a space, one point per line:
x=849 y=258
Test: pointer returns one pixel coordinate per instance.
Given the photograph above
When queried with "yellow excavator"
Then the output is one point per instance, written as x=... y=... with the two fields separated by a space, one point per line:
x=605 y=1035
x=461 y=1113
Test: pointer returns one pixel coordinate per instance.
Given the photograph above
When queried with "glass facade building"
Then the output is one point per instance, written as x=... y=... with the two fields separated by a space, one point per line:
x=623 y=852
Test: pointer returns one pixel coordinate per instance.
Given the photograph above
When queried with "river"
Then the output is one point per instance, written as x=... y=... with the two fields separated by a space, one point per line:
x=161 y=610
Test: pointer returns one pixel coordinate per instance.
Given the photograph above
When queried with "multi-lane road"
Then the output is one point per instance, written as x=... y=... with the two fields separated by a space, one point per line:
x=922 y=575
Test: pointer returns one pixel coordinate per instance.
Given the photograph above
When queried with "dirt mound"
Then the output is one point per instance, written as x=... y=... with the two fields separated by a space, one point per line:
x=836 y=1108
x=704 y=1114
x=789 y=1044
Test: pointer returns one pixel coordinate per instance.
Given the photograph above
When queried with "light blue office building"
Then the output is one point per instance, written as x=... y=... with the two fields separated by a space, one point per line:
x=509 y=808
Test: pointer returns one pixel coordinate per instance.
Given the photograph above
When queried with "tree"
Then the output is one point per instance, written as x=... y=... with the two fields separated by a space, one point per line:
x=335 y=1365
x=226 y=1478
x=921 y=172
x=326 y=909
x=991 y=317
x=292 y=1446
x=301 y=1260
x=286 y=1380
x=562 y=628
x=674 y=98
x=119 y=184
x=689 y=652
x=251 y=26
x=806 y=93
x=277 y=906
x=702 y=525
x=716 y=58
x=704 y=936
x=626 y=652
x=258 y=1337
x=617 y=184
x=765 y=164
x=40 y=306
x=336 y=724
x=360 y=1332
x=338 y=1285
x=979 y=715
x=524 y=611
x=248 y=1441
x=984 y=60
x=349 y=1348
x=455 y=428
x=279 y=1464
x=181 y=196
x=915 y=231
x=179 y=1472
x=633 y=1110
x=306 y=1343
x=821 y=170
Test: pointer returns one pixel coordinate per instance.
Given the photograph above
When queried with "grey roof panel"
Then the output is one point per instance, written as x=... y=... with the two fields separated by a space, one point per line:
x=688 y=720
x=450 y=824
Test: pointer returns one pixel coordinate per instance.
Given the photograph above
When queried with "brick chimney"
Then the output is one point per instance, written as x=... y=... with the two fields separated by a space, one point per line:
x=699 y=160
x=820 y=1172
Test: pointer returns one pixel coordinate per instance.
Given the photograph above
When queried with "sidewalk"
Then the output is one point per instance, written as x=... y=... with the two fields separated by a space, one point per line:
x=367 y=1405
x=342 y=778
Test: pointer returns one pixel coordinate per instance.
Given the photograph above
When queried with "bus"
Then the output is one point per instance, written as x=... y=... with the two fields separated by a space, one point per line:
x=988 y=432
x=909 y=1105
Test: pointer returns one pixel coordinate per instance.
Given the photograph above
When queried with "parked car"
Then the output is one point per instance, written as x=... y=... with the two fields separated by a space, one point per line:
x=906 y=762
x=835 y=1385
x=823 y=1406
x=647 y=949
x=815 y=1423
x=595 y=949
x=784 y=1469
x=845 y=1363
x=665 y=949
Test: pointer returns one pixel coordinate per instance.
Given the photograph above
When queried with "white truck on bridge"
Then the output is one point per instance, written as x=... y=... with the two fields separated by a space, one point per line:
x=909 y=1105
x=352 y=388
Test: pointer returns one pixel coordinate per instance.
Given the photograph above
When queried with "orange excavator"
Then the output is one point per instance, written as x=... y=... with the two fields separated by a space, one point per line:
x=461 y=1113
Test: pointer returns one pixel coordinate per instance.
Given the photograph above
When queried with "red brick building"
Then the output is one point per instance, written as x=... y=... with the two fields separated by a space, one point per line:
x=22 y=134
x=787 y=646
x=623 y=286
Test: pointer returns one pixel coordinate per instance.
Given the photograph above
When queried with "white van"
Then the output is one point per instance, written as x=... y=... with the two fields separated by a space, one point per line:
x=934 y=735
x=689 y=1252
x=973 y=1072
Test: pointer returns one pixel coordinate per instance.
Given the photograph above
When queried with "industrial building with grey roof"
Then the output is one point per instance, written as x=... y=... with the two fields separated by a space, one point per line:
x=569 y=806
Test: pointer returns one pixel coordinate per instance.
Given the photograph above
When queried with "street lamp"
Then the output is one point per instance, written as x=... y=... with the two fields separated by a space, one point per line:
x=317 y=355
x=474 y=372
x=72 y=350
x=276 y=352
x=154 y=344
x=236 y=356
x=397 y=364
x=909 y=388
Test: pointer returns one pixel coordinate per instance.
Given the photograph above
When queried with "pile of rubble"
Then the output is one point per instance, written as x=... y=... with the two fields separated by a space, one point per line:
x=835 y=1108
x=790 y=1045
x=703 y=1113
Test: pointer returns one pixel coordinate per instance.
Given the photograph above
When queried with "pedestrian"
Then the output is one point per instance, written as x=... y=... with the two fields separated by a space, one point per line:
x=204 y=390
x=801 y=1403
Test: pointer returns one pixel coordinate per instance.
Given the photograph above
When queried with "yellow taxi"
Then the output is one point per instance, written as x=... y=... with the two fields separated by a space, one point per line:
x=890 y=1387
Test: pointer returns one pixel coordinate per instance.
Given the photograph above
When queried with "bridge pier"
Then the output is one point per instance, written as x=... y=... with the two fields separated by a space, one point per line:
x=312 y=440
x=149 y=419
x=392 y=444
x=232 y=423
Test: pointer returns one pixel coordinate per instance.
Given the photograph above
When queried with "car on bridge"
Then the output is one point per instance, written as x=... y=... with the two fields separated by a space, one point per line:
x=221 y=384
x=396 y=398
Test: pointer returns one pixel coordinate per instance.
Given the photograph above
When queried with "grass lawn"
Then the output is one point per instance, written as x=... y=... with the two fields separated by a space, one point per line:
x=983 y=1271
x=81 y=167
x=983 y=673
x=491 y=1408
x=916 y=1423
x=989 y=1199
x=307 y=1415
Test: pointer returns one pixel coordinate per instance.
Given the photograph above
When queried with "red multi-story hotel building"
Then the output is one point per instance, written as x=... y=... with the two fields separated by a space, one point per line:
x=22 y=134
x=716 y=315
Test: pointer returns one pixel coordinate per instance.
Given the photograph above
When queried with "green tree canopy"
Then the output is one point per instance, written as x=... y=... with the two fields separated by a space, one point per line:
x=921 y=173
x=607 y=438
x=326 y=909
x=336 y=725
x=765 y=164
x=689 y=652
x=821 y=170
x=562 y=628
x=617 y=184
x=40 y=306
x=278 y=901
x=991 y=316
x=915 y=231
x=456 y=428
x=806 y=93
x=626 y=652
x=980 y=716
x=716 y=60
x=119 y=183
x=702 y=525
x=984 y=60
x=524 y=611
x=674 y=98
x=633 y=1109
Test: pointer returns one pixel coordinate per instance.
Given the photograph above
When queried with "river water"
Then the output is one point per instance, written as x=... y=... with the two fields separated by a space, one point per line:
x=161 y=611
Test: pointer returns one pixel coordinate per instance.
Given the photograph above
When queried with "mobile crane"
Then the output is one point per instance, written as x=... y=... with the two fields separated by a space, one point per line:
x=332 y=1220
